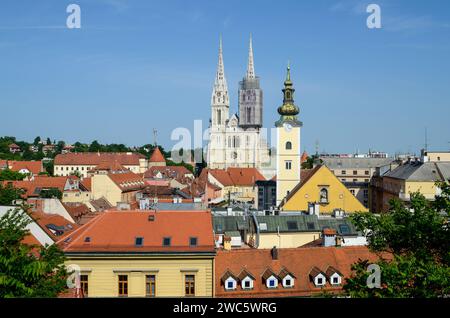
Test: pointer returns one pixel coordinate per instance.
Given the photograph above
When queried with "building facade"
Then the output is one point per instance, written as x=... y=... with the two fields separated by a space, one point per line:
x=236 y=140
x=144 y=254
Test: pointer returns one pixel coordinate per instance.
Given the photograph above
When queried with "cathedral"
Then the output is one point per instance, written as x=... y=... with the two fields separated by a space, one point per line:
x=237 y=140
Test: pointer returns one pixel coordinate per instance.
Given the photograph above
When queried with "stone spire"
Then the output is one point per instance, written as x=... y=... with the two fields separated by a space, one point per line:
x=250 y=65
x=220 y=91
x=220 y=74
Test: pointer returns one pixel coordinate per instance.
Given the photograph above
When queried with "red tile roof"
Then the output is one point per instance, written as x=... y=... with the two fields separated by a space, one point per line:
x=41 y=182
x=237 y=176
x=34 y=167
x=170 y=172
x=46 y=220
x=157 y=156
x=116 y=232
x=128 y=181
x=298 y=261
x=95 y=158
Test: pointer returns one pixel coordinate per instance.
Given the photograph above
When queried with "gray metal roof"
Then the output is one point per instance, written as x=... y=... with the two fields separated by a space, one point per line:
x=283 y=224
x=419 y=171
x=355 y=163
x=227 y=223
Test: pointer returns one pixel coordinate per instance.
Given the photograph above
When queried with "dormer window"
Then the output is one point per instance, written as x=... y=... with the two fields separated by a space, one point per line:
x=287 y=278
x=229 y=281
x=246 y=279
x=193 y=241
x=334 y=276
x=270 y=279
x=318 y=277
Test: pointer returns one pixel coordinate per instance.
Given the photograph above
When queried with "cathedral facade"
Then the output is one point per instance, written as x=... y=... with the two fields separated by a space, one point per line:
x=237 y=140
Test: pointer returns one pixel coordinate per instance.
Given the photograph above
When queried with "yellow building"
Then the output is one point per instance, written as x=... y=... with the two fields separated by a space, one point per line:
x=116 y=188
x=288 y=143
x=236 y=183
x=320 y=186
x=408 y=178
x=144 y=254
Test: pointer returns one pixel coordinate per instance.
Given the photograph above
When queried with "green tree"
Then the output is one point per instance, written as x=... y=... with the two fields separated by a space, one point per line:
x=37 y=140
x=417 y=238
x=27 y=271
x=8 y=194
x=50 y=193
x=8 y=174
x=95 y=146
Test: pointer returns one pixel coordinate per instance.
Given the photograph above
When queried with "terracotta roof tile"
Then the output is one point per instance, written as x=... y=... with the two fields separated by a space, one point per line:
x=116 y=232
x=298 y=261
x=157 y=156
x=94 y=158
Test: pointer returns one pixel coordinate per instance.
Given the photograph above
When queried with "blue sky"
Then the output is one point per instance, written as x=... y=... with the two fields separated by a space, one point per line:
x=138 y=65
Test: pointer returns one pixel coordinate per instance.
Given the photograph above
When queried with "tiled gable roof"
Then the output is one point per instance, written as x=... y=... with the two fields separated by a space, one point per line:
x=94 y=158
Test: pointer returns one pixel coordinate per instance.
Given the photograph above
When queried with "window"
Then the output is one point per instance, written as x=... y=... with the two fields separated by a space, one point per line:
x=355 y=180
x=355 y=172
x=247 y=284
x=288 y=164
x=288 y=145
x=123 y=285
x=366 y=193
x=319 y=281
x=343 y=172
x=344 y=229
x=150 y=285
x=166 y=241
x=310 y=225
x=193 y=241
x=189 y=281
x=288 y=282
x=323 y=197
x=352 y=191
x=272 y=283
x=366 y=172
x=139 y=241
x=292 y=225
x=84 y=285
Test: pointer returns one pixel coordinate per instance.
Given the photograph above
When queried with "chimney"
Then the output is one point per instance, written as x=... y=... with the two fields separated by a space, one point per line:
x=151 y=218
x=227 y=243
x=329 y=237
x=274 y=253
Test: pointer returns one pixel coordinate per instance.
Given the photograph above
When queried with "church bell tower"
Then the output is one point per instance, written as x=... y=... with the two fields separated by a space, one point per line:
x=288 y=156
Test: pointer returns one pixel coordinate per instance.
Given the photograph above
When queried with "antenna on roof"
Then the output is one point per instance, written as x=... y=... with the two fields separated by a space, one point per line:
x=155 y=134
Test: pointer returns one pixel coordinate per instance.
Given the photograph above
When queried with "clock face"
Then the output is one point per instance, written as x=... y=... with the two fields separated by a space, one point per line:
x=287 y=127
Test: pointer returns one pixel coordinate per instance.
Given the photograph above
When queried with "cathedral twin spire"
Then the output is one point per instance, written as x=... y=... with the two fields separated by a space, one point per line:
x=220 y=91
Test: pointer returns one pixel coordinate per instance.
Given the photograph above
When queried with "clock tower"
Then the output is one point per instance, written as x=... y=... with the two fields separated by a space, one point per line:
x=288 y=153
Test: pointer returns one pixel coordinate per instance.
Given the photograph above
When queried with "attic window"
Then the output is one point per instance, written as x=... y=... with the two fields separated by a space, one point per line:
x=87 y=239
x=139 y=241
x=166 y=241
x=193 y=241
x=292 y=225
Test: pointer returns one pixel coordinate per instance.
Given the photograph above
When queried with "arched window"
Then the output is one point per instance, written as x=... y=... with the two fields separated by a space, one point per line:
x=323 y=196
x=288 y=145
